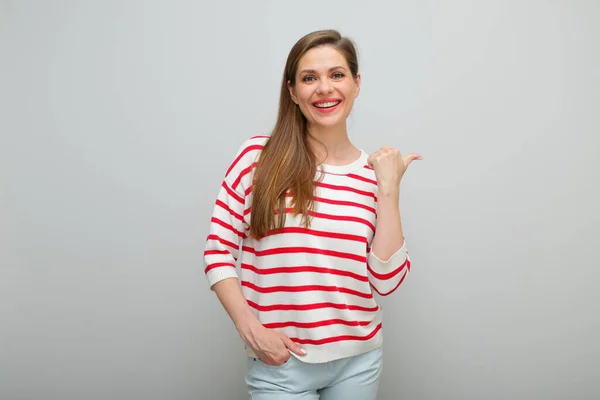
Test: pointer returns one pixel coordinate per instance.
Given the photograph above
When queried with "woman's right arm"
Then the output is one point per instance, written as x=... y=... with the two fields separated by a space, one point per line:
x=227 y=230
x=269 y=345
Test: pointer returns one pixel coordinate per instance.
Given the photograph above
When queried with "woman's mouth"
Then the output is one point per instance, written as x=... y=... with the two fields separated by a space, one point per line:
x=327 y=106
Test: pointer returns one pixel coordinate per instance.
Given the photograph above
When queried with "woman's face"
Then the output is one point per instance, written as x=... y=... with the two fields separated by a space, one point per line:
x=325 y=89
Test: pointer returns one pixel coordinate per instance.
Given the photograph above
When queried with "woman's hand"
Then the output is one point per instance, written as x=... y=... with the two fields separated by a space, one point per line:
x=390 y=166
x=270 y=346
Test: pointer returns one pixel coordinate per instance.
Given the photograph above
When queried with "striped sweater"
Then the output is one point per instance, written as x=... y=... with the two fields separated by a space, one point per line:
x=314 y=284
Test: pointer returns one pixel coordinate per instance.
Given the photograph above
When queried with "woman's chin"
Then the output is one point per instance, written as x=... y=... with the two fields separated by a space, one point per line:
x=327 y=123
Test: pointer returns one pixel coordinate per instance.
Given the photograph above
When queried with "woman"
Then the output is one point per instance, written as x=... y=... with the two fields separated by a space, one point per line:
x=324 y=218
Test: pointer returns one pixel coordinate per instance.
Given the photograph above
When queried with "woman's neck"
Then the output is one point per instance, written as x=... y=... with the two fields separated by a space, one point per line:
x=332 y=146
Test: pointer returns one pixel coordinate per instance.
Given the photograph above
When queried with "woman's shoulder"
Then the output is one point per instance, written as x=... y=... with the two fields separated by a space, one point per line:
x=247 y=155
x=254 y=143
x=250 y=149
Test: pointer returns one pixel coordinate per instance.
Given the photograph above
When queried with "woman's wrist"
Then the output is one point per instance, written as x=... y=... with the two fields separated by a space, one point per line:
x=246 y=324
x=388 y=191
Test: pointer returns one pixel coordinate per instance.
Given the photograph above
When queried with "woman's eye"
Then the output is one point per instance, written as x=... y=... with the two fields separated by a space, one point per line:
x=338 y=75
x=308 y=78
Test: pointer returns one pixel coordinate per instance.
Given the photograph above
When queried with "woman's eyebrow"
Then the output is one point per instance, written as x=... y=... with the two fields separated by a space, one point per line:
x=312 y=71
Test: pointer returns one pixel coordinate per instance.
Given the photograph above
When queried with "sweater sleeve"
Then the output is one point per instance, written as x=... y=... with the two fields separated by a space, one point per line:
x=227 y=230
x=386 y=276
x=228 y=227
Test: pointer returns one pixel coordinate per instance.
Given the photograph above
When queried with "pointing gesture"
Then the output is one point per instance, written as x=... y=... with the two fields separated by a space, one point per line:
x=390 y=166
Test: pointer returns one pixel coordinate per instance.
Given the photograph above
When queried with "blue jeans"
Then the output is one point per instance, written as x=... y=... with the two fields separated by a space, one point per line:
x=353 y=378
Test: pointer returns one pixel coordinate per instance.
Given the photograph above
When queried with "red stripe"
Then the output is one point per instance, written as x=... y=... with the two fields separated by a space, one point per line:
x=344 y=203
x=244 y=172
x=249 y=190
x=218 y=265
x=394 y=289
x=345 y=188
x=338 y=218
x=299 y=269
x=310 y=250
x=306 y=288
x=213 y=252
x=314 y=306
x=227 y=226
x=232 y=193
x=342 y=218
x=317 y=324
x=362 y=178
x=260 y=137
x=338 y=338
x=389 y=275
x=222 y=241
x=306 y=231
x=333 y=217
x=229 y=210
x=242 y=154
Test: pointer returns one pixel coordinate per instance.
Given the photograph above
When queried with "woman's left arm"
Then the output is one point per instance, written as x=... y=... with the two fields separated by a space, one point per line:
x=389 y=237
x=388 y=261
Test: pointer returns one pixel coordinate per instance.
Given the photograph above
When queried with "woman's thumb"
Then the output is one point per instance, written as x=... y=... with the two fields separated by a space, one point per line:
x=293 y=346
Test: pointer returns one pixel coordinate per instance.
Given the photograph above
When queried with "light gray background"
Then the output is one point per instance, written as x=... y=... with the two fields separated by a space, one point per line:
x=118 y=119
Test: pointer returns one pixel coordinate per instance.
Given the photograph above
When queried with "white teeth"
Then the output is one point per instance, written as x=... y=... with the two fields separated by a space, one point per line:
x=326 y=105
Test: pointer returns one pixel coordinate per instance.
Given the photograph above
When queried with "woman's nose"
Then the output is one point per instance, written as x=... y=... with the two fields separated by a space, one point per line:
x=325 y=86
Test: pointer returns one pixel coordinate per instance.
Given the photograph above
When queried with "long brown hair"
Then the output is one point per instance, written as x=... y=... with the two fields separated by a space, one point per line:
x=287 y=164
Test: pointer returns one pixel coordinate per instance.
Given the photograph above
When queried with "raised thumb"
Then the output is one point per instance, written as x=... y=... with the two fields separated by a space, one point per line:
x=411 y=157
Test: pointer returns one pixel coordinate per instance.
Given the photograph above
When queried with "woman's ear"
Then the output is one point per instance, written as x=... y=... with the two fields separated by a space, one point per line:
x=292 y=94
x=357 y=81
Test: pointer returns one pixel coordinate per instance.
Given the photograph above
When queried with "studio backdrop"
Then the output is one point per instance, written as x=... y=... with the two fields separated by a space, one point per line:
x=118 y=120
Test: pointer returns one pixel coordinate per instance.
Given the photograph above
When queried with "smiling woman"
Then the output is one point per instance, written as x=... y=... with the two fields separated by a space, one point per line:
x=315 y=217
x=323 y=88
